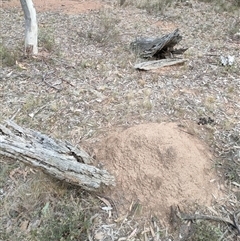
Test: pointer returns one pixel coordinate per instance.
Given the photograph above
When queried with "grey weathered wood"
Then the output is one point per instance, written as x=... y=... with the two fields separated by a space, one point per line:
x=157 y=47
x=156 y=64
x=56 y=158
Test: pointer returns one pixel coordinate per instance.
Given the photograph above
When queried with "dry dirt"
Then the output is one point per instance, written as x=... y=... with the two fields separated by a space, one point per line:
x=160 y=165
x=64 y=6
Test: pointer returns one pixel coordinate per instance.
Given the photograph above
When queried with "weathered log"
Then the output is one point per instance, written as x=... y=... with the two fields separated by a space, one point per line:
x=158 y=48
x=56 y=158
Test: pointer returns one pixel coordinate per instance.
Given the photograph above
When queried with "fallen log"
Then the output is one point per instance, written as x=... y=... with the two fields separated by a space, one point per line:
x=57 y=158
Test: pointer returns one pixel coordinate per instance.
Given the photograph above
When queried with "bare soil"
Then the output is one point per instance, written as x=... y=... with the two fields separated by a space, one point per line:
x=159 y=165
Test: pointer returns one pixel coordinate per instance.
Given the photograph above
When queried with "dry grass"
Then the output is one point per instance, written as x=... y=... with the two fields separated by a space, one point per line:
x=155 y=6
x=85 y=85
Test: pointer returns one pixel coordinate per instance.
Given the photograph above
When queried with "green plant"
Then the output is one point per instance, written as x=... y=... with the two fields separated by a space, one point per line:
x=46 y=39
x=6 y=166
x=232 y=170
x=106 y=29
x=152 y=6
x=224 y=5
x=8 y=55
x=205 y=231
x=63 y=222
x=230 y=164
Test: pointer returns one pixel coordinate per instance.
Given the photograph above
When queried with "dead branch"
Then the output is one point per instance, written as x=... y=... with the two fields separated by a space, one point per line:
x=176 y=216
x=57 y=158
x=215 y=218
x=236 y=217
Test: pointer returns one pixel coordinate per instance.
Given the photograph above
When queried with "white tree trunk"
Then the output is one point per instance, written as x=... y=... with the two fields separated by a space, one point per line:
x=31 y=27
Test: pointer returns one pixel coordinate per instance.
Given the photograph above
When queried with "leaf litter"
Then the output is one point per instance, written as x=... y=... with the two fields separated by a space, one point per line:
x=87 y=86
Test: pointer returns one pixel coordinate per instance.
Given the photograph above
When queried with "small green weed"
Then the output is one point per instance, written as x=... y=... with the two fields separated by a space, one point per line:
x=46 y=39
x=224 y=5
x=233 y=2
x=152 y=6
x=230 y=155
x=204 y=231
x=63 y=222
x=5 y=168
x=107 y=31
x=232 y=170
x=8 y=55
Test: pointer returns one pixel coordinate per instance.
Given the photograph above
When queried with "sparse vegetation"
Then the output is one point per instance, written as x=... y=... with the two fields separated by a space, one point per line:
x=103 y=31
x=64 y=221
x=46 y=39
x=205 y=231
x=235 y=29
x=152 y=6
x=224 y=5
x=92 y=86
x=8 y=55
x=224 y=2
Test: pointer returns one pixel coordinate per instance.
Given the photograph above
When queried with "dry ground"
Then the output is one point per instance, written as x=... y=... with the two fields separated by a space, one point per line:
x=83 y=85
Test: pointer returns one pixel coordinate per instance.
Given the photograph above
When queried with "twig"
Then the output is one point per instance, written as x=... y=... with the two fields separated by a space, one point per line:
x=52 y=86
x=68 y=82
x=215 y=218
x=37 y=111
x=187 y=132
x=236 y=216
x=15 y=114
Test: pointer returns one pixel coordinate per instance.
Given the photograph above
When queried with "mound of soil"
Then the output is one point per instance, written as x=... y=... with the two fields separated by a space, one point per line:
x=160 y=165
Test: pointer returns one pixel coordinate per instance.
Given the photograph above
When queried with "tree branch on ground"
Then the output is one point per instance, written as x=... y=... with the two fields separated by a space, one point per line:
x=57 y=158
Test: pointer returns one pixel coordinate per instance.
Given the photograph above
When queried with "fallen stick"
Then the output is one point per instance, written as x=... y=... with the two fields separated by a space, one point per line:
x=215 y=218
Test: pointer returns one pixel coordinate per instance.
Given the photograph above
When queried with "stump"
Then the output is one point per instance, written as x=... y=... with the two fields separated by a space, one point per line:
x=159 y=48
